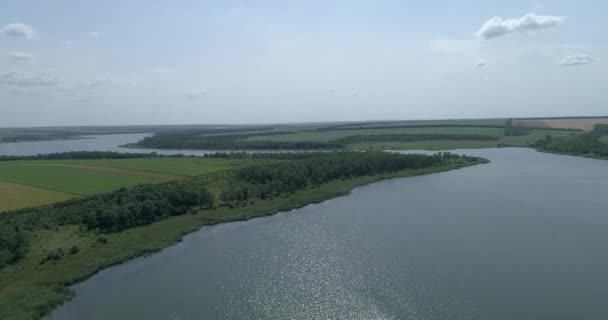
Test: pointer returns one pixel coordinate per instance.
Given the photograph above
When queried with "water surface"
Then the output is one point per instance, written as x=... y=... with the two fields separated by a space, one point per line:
x=105 y=142
x=523 y=237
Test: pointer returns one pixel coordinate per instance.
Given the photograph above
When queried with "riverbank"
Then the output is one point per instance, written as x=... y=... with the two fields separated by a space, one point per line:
x=29 y=291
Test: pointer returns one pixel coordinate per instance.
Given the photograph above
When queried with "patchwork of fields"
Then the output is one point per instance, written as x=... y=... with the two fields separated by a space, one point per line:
x=332 y=135
x=27 y=183
x=585 y=124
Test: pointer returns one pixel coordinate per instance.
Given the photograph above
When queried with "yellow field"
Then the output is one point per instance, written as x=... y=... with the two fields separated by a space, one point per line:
x=574 y=123
x=16 y=196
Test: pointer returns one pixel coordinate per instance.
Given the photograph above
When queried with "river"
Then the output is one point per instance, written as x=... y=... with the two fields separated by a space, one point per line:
x=106 y=142
x=523 y=237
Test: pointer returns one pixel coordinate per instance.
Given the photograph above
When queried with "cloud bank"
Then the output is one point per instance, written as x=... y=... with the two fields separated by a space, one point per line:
x=497 y=26
x=20 y=79
x=196 y=95
x=18 y=55
x=577 y=60
x=18 y=30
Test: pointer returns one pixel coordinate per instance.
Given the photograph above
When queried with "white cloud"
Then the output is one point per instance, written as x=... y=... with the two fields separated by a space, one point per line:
x=498 y=26
x=577 y=60
x=20 y=79
x=481 y=63
x=196 y=95
x=18 y=30
x=94 y=34
x=18 y=55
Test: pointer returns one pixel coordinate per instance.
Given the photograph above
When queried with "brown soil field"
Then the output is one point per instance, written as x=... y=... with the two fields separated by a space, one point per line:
x=574 y=123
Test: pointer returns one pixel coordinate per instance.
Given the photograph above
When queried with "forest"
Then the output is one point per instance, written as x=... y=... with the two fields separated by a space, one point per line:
x=587 y=144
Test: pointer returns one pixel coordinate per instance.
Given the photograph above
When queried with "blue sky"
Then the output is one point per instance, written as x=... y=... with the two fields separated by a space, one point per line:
x=148 y=62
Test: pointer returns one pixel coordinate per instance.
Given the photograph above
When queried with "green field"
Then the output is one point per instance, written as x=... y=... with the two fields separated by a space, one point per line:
x=504 y=141
x=76 y=181
x=175 y=166
x=332 y=135
x=457 y=122
x=604 y=139
x=28 y=183
x=16 y=196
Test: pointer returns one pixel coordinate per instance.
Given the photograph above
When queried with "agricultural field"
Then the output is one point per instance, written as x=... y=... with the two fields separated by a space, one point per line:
x=175 y=167
x=16 y=196
x=421 y=123
x=73 y=180
x=505 y=141
x=27 y=183
x=585 y=124
x=332 y=135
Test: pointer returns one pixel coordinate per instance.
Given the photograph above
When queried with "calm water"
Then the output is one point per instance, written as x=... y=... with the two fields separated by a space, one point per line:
x=521 y=238
x=108 y=142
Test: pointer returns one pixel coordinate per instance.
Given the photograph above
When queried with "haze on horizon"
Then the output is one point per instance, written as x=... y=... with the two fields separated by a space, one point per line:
x=166 y=62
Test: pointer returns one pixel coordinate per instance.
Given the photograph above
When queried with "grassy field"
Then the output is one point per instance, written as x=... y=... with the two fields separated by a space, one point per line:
x=456 y=122
x=504 y=141
x=71 y=180
x=28 y=183
x=29 y=290
x=332 y=135
x=16 y=196
x=173 y=166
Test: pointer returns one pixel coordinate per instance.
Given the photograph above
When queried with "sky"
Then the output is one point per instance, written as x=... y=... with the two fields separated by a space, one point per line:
x=244 y=62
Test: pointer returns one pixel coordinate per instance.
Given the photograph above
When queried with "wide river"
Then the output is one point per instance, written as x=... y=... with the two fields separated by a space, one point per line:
x=523 y=237
x=107 y=142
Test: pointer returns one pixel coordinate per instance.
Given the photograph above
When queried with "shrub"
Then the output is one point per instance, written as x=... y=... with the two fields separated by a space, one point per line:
x=74 y=249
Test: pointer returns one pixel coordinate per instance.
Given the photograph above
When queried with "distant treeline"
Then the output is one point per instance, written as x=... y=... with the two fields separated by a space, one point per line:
x=227 y=142
x=85 y=155
x=239 y=142
x=345 y=128
x=109 y=155
x=412 y=137
x=143 y=204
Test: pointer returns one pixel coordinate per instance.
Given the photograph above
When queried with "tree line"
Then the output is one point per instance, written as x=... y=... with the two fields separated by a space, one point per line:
x=180 y=140
x=583 y=144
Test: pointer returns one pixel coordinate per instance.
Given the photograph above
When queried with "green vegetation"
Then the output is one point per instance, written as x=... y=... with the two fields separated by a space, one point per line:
x=601 y=128
x=588 y=144
x=327 y=136
x=38 y=244
x=332 y=137
x=382 y=135
x=188 y=166
x=71 y=180
x=27 y=183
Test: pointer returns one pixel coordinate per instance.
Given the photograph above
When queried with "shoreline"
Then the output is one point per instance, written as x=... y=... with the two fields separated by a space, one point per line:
x=145 y=240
